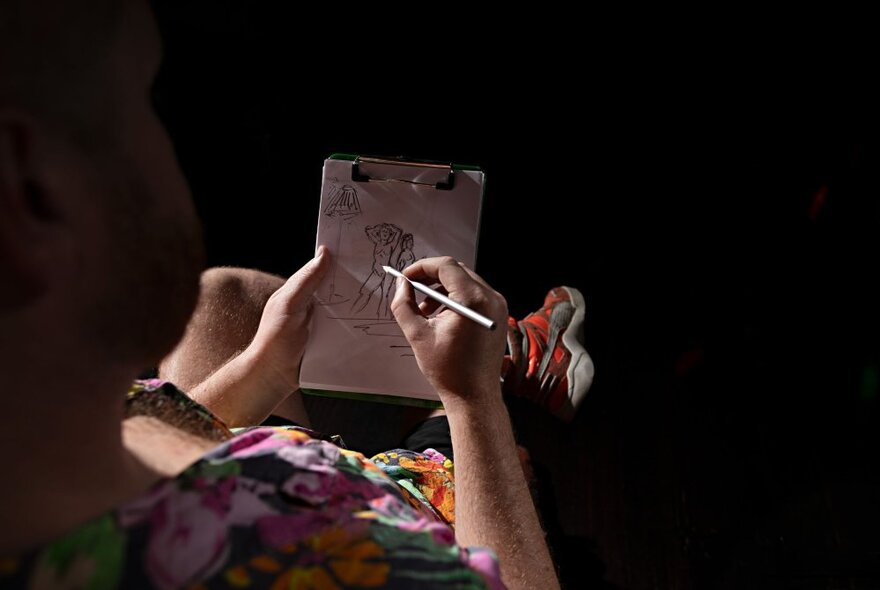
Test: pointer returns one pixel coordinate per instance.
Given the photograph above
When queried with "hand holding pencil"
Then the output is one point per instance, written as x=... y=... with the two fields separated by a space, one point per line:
x=444 y=300
x=458 y=355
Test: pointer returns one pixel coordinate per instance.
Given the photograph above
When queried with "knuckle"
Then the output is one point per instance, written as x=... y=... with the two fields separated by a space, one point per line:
x=478 y=297
x=444 y=260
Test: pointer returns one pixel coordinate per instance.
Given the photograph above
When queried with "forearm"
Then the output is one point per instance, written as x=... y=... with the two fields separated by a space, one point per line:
x=492 y=502
x=242 y=392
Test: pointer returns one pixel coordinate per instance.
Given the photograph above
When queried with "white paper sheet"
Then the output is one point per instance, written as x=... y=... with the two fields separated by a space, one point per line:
x=355 y=344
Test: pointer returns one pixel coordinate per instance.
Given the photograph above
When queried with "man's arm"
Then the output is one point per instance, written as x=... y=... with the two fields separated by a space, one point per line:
x=493 y=506
x=242 y=392
x=462 y=360
x=245 y=390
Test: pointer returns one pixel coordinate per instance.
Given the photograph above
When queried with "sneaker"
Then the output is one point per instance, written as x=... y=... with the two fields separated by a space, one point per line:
x=548 y=362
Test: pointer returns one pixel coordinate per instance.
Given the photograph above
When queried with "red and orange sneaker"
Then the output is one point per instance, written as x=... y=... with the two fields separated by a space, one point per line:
x=548 y=362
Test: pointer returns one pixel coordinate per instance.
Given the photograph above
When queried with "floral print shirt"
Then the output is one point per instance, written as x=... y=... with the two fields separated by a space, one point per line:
x=272 y=508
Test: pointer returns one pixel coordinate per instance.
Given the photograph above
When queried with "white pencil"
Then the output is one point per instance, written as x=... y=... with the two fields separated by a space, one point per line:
x=457 y=307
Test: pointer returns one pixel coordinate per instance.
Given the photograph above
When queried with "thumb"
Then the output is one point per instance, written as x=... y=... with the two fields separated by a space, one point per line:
x=406 y=311
x=303 y=283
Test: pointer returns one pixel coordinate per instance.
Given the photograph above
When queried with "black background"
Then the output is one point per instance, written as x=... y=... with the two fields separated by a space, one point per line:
x=724 y=233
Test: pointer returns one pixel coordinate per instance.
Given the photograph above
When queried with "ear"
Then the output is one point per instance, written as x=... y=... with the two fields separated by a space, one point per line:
x=24 y=215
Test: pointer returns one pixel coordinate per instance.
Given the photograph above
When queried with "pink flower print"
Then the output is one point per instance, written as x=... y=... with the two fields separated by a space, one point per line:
x=289 y=529
x=187 y=539
x=486 y=564
x=333 y=488
x=263 y=441
x=318 y=456
x=188 y=532
x=435 y=456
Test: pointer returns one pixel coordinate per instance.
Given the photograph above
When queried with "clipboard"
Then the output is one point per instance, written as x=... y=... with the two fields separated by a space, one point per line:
x=377 y=211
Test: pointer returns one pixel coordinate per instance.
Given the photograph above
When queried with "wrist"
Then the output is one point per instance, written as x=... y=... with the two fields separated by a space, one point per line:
x=257 y=365
x=478 y=402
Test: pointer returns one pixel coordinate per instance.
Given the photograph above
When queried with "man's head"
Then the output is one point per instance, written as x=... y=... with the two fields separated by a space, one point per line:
x=97 y=228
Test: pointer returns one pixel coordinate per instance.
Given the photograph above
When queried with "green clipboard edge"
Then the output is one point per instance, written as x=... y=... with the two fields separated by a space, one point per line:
x=375 y=397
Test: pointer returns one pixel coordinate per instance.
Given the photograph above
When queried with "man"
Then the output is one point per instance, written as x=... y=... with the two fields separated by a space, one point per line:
x=100 y=255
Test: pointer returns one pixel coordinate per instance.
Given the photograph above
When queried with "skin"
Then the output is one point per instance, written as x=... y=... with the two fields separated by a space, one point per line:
x=81 y=226
x=248 y=388
x=462 y=360
x=233 y=304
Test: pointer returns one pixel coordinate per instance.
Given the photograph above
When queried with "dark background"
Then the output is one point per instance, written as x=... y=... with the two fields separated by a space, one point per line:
x=725 y=238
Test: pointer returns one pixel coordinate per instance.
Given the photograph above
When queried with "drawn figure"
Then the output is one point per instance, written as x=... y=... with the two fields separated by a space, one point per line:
x=385 y=237
x=343 y=206
x=403 y=257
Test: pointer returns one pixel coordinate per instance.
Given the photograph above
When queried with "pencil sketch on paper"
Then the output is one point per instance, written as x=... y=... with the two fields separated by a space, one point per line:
x=383 y=328
x=391 y=247
x=370 y=313
x=343 y=205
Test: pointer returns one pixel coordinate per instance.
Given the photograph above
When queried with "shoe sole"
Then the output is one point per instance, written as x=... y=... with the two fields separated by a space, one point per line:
x=580 y=368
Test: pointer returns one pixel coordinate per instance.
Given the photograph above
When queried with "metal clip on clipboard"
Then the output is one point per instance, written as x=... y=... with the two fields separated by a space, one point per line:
x=423 y=173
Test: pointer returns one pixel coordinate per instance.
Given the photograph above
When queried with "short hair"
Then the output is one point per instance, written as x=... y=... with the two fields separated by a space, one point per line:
x=53 y=56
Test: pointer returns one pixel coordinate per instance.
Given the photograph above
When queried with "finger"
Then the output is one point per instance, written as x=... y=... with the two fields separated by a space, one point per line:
x=439 y=288
x=444 y=270
x=429 y=268
x=406 y=312
x=429 y=306
x=472 y=274
x=300 y=287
